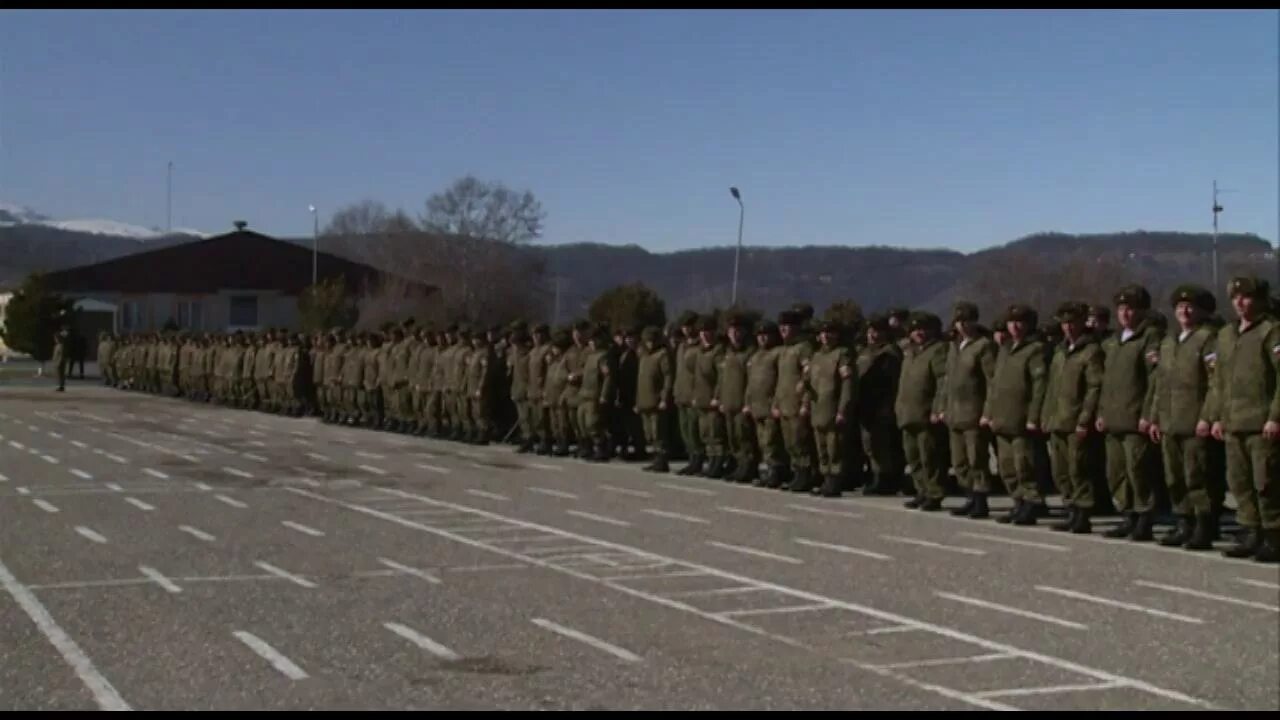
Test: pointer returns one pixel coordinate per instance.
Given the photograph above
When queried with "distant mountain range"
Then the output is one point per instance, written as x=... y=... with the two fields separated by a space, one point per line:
x=17 y=215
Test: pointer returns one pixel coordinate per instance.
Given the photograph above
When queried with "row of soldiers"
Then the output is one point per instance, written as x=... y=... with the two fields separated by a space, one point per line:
x=893 y=404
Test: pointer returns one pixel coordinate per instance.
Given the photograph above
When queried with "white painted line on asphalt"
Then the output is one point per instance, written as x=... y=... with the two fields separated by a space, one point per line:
x=305 y=530
x=17 y=445
x=714 y=592
x=103 y=693
x=594 y=642
x=271 y=655
x=81 y=474
x=488 y=568
x=1048 y=690
x=318 y=456
x=422 y=641
x=155 y=473
x=79 y=444
x=91 y=534
x=753 y=513
x=231 y=501
x=114 y=487
x=300 y=581
x=786 y=609
x=372 y=469
x=159 y=579
x=45 y=506
x=99 y=451
x=1118 y=604
x=435 y=469
x=251 y=456
x=56 y=436
x=682 y=488
x=1010 y=541
x=1012 y=611
x=196 y=533
x=491 y=496
x=410 y=571
x=823 y=511
x=843 y=549
x=676 y=516
x=598 y=518
x=307 y=443
x=1259 y=583
x=936 y=546
x=613 y=582
x=554 y=493
x=23 y=491
x=237 y=473
x=33 y=451
x=753 y=551
x=139 y=504
x=626 y=491
x=544 y=466
x=937 y=662
x=371 y=456
x=3 y=478
x=33 y=428
x=203 y=487
x=1208 y=596
x=117 y=458
x=49 y=459
x=255 y=443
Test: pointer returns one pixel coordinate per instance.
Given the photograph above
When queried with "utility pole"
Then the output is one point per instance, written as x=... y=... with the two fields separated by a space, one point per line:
x=1216 y=209
x=169 y=200
x=737 y=254
x=315 y=244
x=555 y=317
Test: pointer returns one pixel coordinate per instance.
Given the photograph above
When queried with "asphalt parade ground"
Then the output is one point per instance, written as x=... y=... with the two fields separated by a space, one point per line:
x=157 y=554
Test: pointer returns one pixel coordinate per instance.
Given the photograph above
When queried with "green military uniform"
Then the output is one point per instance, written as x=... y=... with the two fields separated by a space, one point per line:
x=831 y=386
x=731 y=397
x=1243 y=405
x=920 y=399
x=1130 y=361
x=556 y=387
x=1181 y=385
x=971 y=363
x=1015 y=400
x=573 y=357
x=711 y=430
x=1068 y=414
x=797 y=433
x=762 y=386
x=655 y=380
x=879 y=370
x=539 y=421
x=518 y=370
x=482 y=374
x=596 y=395
x=687 y=419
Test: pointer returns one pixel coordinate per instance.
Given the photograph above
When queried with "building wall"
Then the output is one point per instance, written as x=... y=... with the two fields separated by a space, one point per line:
x=252 y=310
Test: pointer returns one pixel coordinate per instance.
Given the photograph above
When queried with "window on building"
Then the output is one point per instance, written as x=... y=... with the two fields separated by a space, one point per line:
x=190 y=315
x=244 y=311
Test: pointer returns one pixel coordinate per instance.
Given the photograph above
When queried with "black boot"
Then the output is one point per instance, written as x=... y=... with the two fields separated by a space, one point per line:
x=659 y=464
x=1082 y=526
x=1142 y=531
x=1124 y=529
x=775 y=477
x=831 y=486
x=931 y=505
x=1013 y=513
x=748 y=473
x=803 y=481
x=1203 y=534
x=914 y=502
x=1269 y=552
x=715 y=470
x=1247 y=544
x=1031 y=511
x=1180 y=534
x=694 y=467
x=1068 y=523
x=964 y=509
x=979 y=510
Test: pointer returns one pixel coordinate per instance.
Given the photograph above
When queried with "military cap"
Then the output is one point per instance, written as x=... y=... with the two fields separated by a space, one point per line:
x=899 y=312
x=1134 y=296
x=964 y=311
x=829 y=326
x=707 y=324
x=879 y=322
x=1101 y=312
x=519 y=325
x=1021 y=312
x=408 y=322
x=463 y=332
x=561 y=339
x=768 y=327
x=1072 y=311
x=542 y=328
x=804 y=310
x=737 y=320
x=789 y=317
x=1248 y=286
x=651 y=334
x=688 y=318
x=1194 y=294
x=924 y=321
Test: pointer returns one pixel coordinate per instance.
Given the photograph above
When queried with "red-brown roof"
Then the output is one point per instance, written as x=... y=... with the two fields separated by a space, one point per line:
x=239 y=260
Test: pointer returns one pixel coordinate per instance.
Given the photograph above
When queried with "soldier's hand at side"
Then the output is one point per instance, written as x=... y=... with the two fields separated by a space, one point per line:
x=662 y=405
x=635 y=409
x=839 y=418
x=1271 y=430
x=1100 y=426
x=1202 y=429
x=935 y=418
x=984 y=422
x=804 y=410
x=776 y=413
x=1154 y=431
x=1143 y=426
x=1033 y=427
x=1082 y=431
x=746 y=411
x=715 y=403
x=1216 y=431
x=477 y=394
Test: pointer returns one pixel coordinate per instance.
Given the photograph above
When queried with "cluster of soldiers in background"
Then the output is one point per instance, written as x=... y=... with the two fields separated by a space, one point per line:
x=1153 y=413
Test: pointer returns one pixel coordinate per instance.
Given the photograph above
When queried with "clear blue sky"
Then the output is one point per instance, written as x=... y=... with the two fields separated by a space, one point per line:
x=961 y=129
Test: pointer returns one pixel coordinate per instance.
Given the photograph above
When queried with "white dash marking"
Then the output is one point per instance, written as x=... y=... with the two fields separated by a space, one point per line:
x=196 y=533
x=45 y=506
x=79 y=444
x=598 y=518
x=318 y=456
x=17 y=445
x=484 y=494
x=81 y=474
x=682 y=488
x=103 y=693
x=1010 y=541
x=23 y=491
x=410 y=571
x=823 y=511
x=843 y=549
x=776 y=610
x=231 y=501
x=91 y=534
x=554 y=493
x=1208 y=596
x=155 y=473
x=203 y=487
x=49 y=459
x=1246 y=581
x=626 y=491
x=117 y=458
x=371 y=456
x=938 y=546
x=937 y=662
x=544 y=466
x=56 y=436
x=271 y=655
x=435 y=469
x=114 y=487
x=255 y=458
x=753 y=513
x=676 y=516
x=300 y=581
x=372 y=469
x=139 y=504
x=1118 y=604
x=594 y=642
x=159 y=579
x=755 y=552
x=1012 y=611
x=422 y=641
x=237 y=473
x=305 y=530
x=1048 y=690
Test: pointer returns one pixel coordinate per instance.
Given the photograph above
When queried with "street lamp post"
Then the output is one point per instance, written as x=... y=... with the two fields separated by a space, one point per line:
x=1216 y=209
x=315 y=243
x=737 y=254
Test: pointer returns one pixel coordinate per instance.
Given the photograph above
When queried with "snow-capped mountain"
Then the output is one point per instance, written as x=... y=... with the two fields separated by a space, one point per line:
x=21 y=215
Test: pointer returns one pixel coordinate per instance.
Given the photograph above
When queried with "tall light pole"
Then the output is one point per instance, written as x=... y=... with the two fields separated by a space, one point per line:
x=1216 y=209
x=169 y=200
x=737 y=254
x=315 y=243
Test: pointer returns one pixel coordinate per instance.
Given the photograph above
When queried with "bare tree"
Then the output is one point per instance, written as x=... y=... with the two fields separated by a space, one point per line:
x=473 y=208
x=367 y=217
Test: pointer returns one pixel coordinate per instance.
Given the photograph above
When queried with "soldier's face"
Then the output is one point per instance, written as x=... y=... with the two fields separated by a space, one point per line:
x=824 y=338
x=762 y=340
x=704 y=336
x=1072 y=330
x=1127 y=316
x=1244 y=305
x=1017 y=329
x=918 y=336
x=873 y=336
x=787 y=331
x=735 y=335
x=630 y=341
x=1187 y=313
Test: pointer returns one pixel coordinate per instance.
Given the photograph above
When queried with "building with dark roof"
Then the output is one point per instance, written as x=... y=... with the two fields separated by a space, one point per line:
x=242 y=280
